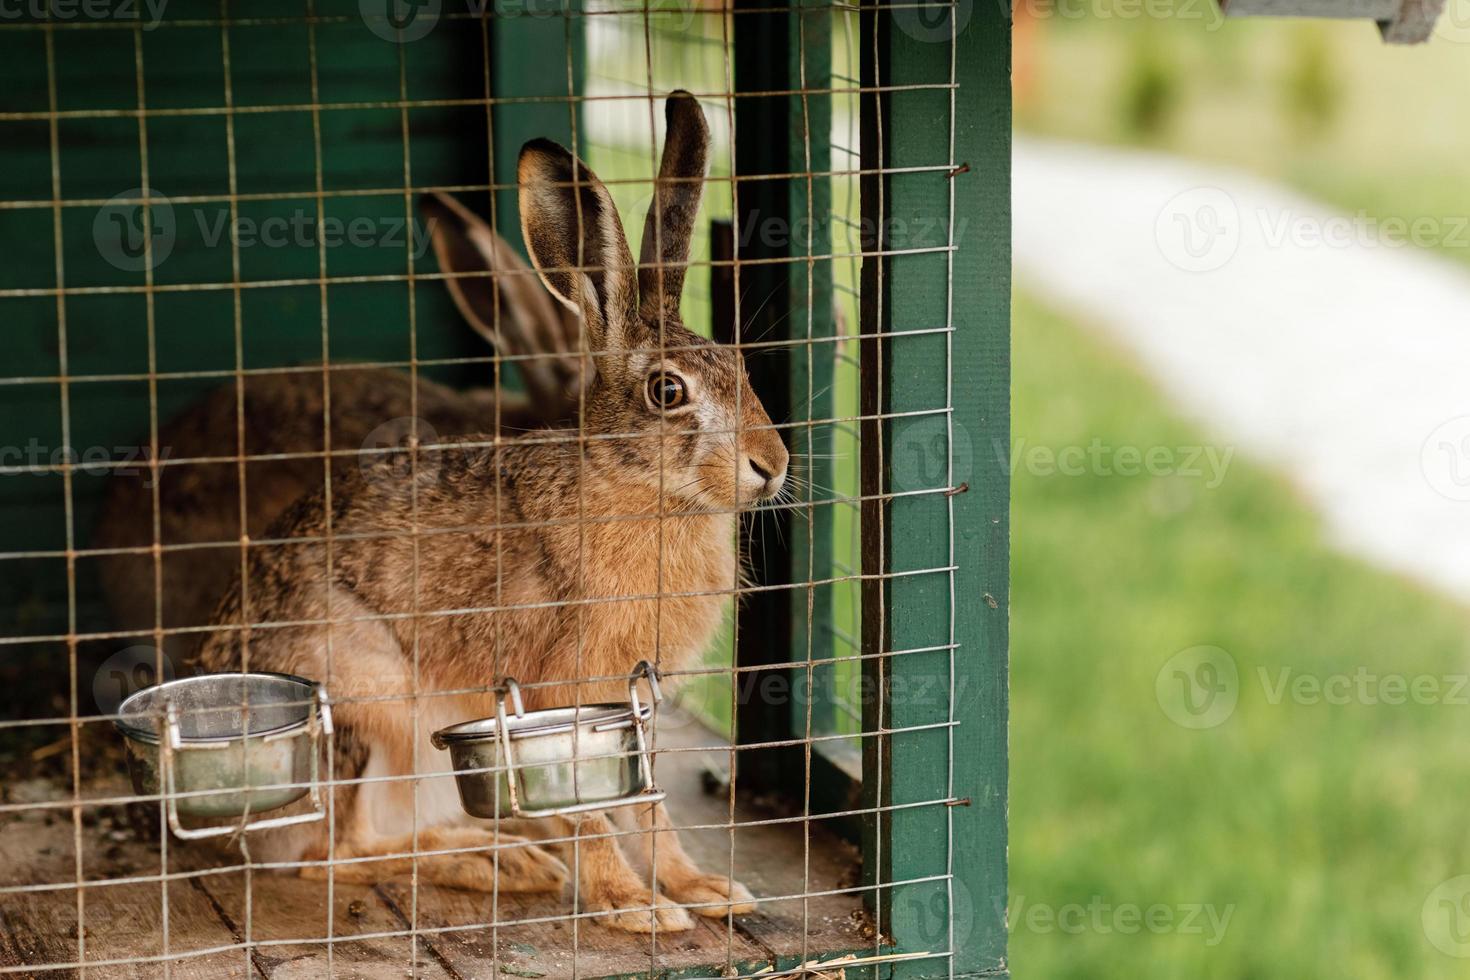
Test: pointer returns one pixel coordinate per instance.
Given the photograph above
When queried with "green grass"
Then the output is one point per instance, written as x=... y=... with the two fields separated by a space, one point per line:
x=1323 y=828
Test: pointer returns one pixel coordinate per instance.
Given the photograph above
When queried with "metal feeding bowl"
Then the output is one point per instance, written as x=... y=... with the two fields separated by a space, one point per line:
x=231 y=745
x=554 y=761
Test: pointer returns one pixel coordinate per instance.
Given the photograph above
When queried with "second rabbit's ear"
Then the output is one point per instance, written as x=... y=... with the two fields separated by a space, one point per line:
x=670 y=222
x=501 y=299
x=577 y=243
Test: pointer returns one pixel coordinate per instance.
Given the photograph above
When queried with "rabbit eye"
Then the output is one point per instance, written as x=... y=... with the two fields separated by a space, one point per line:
x=667 y=390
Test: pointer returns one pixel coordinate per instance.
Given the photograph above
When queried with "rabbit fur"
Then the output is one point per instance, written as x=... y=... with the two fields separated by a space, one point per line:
x=554 y=557
x=284 y=414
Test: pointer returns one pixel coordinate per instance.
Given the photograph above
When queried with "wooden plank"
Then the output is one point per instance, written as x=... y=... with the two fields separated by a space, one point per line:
x=121 y=921
x=779 y=862
x=288 y=907
x=550 y=949
x=787 y=859
x=964 y=451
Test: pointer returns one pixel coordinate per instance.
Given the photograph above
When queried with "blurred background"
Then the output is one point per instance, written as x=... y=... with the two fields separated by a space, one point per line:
x=1238 y=688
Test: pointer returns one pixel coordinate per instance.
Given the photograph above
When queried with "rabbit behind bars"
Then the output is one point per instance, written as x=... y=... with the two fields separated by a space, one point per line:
x=550 y=559
x=284 y=415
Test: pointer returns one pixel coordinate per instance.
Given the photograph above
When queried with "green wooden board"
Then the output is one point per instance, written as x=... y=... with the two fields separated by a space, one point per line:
x=917 y=52
x=371 y=148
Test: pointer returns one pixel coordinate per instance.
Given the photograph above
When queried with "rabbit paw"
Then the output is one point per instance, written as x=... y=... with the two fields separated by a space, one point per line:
x=630 y=911
x=523 y=866
x=527 y=869
x=714 y=896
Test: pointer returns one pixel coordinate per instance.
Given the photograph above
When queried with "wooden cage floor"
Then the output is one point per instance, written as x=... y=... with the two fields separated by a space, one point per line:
x=209 y=911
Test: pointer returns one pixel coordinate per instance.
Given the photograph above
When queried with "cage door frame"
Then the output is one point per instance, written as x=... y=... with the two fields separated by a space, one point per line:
x=936 y=139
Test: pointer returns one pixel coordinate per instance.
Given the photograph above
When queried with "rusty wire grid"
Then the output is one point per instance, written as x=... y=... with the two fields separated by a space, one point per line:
x=618 y=61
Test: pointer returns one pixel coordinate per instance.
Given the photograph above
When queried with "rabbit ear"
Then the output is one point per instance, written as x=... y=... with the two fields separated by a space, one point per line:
x=670 y=222
x=577 y=243
x=505 y=303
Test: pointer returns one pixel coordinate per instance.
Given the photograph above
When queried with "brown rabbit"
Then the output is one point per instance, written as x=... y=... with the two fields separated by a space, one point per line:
x=551 y=557
x=284 y=414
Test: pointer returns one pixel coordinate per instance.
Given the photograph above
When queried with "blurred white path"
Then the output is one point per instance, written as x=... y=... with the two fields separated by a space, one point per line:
x=1321 y=343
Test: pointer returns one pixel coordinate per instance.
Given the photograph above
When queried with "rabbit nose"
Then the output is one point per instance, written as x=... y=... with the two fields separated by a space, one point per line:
x=768 y=475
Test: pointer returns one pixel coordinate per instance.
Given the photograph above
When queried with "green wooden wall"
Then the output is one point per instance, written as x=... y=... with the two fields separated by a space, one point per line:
x=122 y=89
x=938 y=73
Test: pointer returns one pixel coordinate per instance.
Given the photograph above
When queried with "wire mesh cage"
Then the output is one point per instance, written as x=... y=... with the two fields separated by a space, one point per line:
x=525 y=481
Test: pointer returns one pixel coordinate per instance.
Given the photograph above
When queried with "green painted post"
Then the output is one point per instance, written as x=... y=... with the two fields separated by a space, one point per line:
x=812 y=320
x=913 y=536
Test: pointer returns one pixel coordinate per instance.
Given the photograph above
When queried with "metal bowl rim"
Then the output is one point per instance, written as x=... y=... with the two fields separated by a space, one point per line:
x=151 y=738
x=530 y=725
